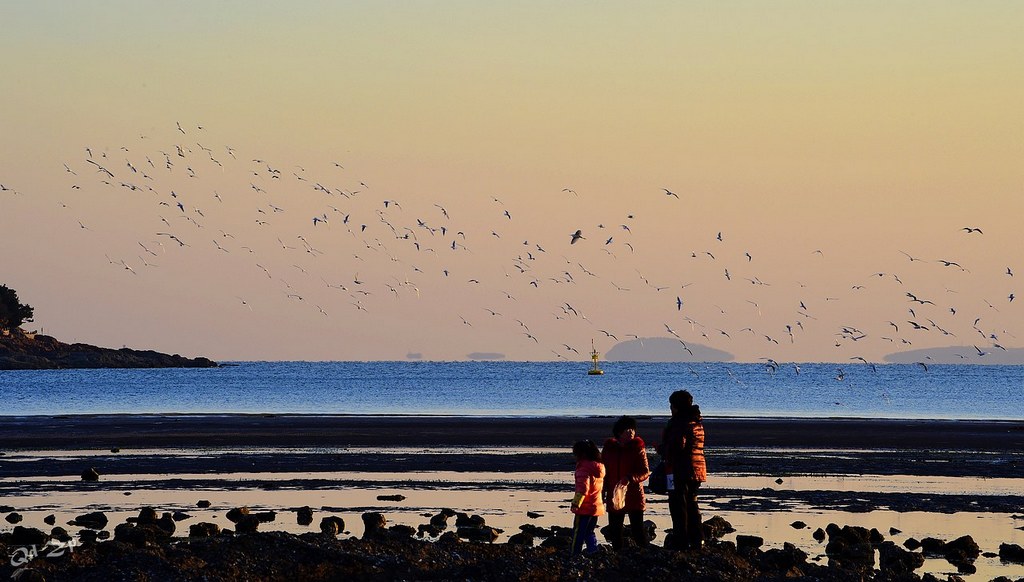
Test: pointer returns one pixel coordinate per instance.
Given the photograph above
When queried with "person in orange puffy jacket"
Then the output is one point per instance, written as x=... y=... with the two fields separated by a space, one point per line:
x=682 y=448
x=625 y=460
x=587 y=503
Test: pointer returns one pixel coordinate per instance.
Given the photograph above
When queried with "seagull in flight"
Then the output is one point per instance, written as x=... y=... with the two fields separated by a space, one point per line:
x=670 y=193
x=969 y=230
x=576 y=236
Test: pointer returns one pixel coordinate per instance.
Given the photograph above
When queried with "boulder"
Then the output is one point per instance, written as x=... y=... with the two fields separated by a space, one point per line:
x=180 y=516
x=962 y=549
x=236 y=514
x=202 y=504
x=203 y=530
x=391 y=498
x=521 y=539
x=60 y=534
x=28 y=536
x=789 y=560
x=819 y=535
x=428 y=529
x=13 y=518
x=912 y=544
x=933 y=547
x=849 y=547
x=1011 y=553
x=893 y=559
x=89 y=536
x=440 y=521
x=140 y=535
x=94 y=520
x=90 y=474
x=478 y=533
x=448 y=539
x=465 y=520
x=50 y=519
x=798 y=525
x=745 y=543
x=247 y=524
x=716 y=527
x=304 y=515
x=332 y=525
x=402 y=531
x=533 y=515
x=373 y=524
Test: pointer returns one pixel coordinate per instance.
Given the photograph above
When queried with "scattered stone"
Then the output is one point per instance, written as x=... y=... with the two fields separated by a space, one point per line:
x=203 y=530
x=180 y=516
x=521 y=539
x=932 y=547
x=202 y=504
x=89 y=536
x=962 y=550
x=716 y=527
x=895 y=560
x=237 y=513
x=247 y=524
x=304 y=515
x=140 y=535
x=790 y=560
x=893 y=531
x=6 y=509
x=798 y=525
x=27 y=536
x=819 y=535
x=103 y=535
x=912 y=544
x=404 y=531
x=332 y=525
x=448 y=539
x=533 y=514
x=465 y=520
x=14 y=518
x=779 y=481
x=115 y=450
x=1011 y=553
x=60 y=534
x=373 y=524
x=875 y=537
x=90 y=474
x=391 y=498
x=94 y=520
x=745 y=543
x=428 y=529
x=50 y=519
x=849 y=547
x=440 y=521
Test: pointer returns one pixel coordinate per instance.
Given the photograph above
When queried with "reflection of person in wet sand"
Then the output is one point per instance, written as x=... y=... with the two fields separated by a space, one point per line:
x=625 y=460
x=587 y=504
x=682 y=447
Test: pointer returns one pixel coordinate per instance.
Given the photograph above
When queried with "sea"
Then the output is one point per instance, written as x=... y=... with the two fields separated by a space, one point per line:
x=506 y=388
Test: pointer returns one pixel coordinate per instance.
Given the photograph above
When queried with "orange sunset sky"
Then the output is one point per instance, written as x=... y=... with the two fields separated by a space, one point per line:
x=772 y=166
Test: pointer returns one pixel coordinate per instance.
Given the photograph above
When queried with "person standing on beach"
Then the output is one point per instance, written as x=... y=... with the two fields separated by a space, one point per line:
x=682 y=448
x=625 y=460
x=587 y=504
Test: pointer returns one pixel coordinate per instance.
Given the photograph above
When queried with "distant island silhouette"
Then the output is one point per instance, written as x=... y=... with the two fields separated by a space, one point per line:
x=958 y=355
x=485 y=356
x=664 y=349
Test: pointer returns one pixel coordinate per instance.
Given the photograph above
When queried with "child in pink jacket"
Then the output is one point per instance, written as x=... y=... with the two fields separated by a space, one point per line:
x=587 y=504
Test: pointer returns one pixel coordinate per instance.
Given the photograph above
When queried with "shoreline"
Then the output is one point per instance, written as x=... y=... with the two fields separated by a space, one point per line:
x=57 y=432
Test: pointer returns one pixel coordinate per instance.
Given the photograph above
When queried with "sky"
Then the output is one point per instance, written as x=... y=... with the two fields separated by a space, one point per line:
x=831 y=142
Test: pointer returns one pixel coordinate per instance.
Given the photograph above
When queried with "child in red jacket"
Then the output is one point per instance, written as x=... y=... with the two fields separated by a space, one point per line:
x=587 y=504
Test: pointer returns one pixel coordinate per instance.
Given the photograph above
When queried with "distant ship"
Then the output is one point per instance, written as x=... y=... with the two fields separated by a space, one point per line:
x=595 y=370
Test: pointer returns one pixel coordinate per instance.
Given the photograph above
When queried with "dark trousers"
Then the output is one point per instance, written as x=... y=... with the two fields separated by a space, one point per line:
x=583 y=532
x=686 y=524
x=617 y=519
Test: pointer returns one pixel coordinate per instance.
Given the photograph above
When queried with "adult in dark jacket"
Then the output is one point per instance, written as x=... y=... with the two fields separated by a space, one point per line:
x=682 y=448
x=625 y=459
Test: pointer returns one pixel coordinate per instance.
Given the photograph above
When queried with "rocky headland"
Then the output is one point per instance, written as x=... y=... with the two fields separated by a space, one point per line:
x=19 y=351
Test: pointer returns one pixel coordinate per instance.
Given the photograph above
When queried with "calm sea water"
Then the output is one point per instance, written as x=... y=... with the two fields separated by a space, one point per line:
x=523 y=389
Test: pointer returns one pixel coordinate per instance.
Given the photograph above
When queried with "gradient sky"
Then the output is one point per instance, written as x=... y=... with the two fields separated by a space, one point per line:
x=856 y=129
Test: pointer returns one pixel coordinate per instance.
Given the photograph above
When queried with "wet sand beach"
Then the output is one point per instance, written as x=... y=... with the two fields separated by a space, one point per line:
x=924 y=477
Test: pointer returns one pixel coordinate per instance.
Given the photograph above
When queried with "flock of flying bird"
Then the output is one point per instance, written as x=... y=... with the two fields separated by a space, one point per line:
x=338 y=248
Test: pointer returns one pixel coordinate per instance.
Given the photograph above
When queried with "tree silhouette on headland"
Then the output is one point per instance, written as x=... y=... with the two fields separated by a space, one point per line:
x=12 y=312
